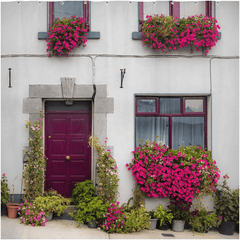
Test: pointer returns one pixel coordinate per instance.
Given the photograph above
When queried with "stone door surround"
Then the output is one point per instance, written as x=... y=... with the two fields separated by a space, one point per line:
x=69 y=90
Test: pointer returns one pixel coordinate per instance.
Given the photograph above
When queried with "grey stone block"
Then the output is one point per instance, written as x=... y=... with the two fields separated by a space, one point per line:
x=45 y=91
x=100 y=127
x=68 y=85
x=33 y=117
x=104 y=105
x=83 y=91
x=32 y=105
x=101 y=91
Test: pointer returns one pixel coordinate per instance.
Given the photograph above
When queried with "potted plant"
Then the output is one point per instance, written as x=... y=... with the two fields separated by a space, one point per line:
x=4 y=194
x=91 y=212
x=12 y=207
x=152 y=220
x=31 y=214
x=52 y=204
x=164 y=217
x=202 y=220
x=180 y=210
x=227 y=206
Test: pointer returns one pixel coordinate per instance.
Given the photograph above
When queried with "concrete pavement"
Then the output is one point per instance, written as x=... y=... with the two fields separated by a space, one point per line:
x=67 y=229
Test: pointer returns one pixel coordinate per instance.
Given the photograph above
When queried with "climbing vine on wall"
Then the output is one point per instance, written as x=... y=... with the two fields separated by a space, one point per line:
x=33 y=173
x=107 y=173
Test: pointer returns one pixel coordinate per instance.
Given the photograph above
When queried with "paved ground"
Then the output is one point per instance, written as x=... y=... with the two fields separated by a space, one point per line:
x=67 y=229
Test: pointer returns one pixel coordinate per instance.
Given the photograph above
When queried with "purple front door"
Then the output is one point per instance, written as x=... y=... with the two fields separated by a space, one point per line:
x=67 y=150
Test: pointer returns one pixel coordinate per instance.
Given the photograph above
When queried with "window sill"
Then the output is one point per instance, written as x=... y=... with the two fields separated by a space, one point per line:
x=90 y=35
x=138 y=35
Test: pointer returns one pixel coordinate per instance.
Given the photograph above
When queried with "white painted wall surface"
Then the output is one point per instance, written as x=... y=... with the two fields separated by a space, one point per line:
x=148 y=72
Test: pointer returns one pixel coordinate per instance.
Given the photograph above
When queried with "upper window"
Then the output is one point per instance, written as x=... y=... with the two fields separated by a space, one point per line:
x=175 y=9
x=67 y=9
x=175 y=121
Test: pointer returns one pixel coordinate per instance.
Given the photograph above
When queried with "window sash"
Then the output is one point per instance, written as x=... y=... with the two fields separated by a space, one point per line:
x=170 y=117
x=174 y=10
x=51 y=12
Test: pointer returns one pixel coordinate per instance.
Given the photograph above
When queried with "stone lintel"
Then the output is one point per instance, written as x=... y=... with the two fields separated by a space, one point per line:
x=83 y=91
x=45 y=91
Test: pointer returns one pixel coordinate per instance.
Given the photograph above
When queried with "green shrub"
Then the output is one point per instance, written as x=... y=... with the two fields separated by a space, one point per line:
x=54 y=204
x=136 y=220
x=227 y=202
x=4 y=189
x=83 y=192
x=201 y=221
x=93 y=210
x=164 y=215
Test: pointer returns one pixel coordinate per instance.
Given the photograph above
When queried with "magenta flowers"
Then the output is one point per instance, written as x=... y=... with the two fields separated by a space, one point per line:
x=66 y=34
x=165 y=33
x=163 y=172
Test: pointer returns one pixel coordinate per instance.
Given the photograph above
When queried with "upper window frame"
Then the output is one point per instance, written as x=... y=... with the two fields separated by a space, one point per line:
x=51 y=13
x=86 y=15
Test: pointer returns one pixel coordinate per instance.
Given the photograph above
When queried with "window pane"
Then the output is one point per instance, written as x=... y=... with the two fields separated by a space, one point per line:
x=150 y=127
x=159 y=7
x=68 y=9
x=169 y=105
x=146 y=105
x=191 y=8
x=194 y=105
x=187 y=131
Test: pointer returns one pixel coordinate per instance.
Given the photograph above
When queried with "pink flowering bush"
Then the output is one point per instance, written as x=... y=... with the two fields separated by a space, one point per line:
x=118 y=220
x=30 y=214
x=114 y=219
x=67 y=34
x=163 y=172
x=166 y=33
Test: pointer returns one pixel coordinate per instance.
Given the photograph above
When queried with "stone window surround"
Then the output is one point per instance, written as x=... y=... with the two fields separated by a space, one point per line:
x=101 y=106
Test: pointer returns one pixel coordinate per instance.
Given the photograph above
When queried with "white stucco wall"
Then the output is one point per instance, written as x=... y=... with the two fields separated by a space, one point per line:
x=147 y=72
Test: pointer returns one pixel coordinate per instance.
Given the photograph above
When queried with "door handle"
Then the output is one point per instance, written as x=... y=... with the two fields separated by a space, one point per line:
x=67 y=157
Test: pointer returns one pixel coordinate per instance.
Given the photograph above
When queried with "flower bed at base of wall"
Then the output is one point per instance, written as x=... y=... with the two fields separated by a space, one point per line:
x=179 y=174
x=66 y=34
x=166 y=33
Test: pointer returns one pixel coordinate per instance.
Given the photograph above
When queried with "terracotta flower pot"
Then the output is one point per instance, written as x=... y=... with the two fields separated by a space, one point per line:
x=12 y=209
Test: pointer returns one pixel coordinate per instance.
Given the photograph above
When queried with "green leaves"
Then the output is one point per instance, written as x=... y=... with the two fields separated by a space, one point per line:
x=33 y=174
x=107 y=171
x=4 y=189
x=227 y=202
x=55 y=204
x=83 y=192
x=95 y=209
x=165 y=216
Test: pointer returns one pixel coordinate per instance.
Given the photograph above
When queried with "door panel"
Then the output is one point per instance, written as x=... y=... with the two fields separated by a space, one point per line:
x=67 y=150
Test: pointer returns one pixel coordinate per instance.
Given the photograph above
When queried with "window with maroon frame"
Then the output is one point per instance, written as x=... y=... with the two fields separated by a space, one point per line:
x=175 y=121
x=174 y=8
x=68 y=9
